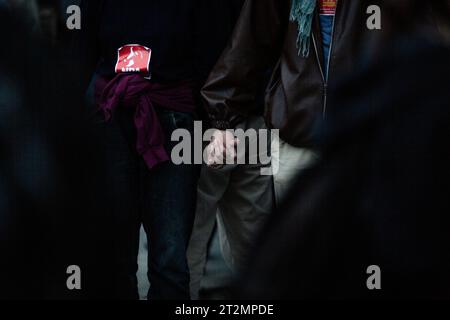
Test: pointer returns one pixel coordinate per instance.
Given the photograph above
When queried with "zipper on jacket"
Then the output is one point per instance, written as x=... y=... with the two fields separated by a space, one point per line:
x=329 y=59
x=325 y=78
x=318 y=59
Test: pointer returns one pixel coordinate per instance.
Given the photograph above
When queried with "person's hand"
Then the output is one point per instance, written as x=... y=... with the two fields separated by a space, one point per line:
x=222 y=147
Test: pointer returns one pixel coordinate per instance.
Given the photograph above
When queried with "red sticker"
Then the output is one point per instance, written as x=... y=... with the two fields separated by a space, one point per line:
x=327 y=7
x=133 y=58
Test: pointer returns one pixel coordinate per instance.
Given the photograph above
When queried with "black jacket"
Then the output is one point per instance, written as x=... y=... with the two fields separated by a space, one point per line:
x=297 y=94
x=185 y=36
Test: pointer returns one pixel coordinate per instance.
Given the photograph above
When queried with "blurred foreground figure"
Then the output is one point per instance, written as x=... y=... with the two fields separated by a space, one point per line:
x=306 y=44
x=379 y=196
x=48 y=172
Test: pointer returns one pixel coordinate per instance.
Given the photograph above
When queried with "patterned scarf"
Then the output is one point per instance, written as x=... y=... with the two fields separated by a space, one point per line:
x=302 y=12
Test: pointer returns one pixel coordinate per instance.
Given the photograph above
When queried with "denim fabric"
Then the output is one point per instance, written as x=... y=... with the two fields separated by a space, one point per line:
x=162 y=199
x=326 y=26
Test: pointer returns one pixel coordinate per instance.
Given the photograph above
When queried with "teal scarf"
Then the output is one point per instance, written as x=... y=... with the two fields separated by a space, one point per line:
x=302 y=12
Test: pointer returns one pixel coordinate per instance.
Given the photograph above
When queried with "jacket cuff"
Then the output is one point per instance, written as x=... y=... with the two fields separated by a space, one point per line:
x=220 y=124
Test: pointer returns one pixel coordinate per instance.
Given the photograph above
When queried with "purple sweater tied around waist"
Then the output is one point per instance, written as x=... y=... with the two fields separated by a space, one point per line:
x=133 y=91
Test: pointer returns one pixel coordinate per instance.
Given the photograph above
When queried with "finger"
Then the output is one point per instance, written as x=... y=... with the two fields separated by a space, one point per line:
x=210 y=152
x=218 y=154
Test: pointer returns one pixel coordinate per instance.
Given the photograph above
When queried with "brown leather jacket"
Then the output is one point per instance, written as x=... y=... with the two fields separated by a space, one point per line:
x=297 y=94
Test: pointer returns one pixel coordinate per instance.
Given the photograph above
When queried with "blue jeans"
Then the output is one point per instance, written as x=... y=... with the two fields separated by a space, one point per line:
x=162 y=200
